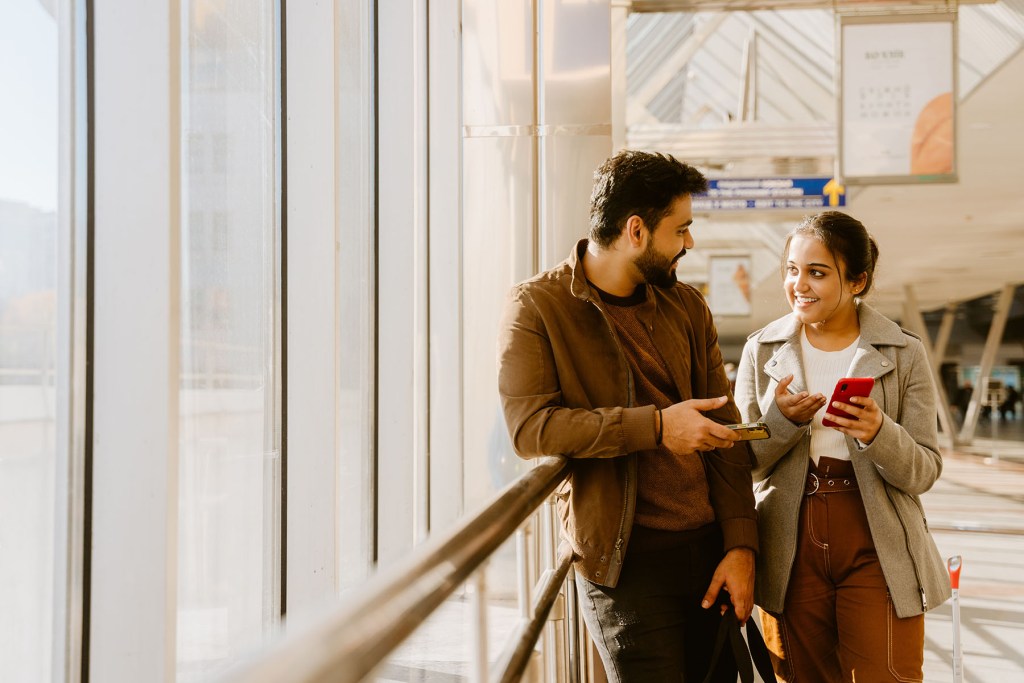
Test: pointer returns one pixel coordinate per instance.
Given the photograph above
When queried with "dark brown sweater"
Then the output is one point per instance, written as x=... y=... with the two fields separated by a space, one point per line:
x=672 y=490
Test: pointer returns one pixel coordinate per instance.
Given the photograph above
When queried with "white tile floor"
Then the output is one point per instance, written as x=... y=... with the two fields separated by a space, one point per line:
x=977 y=492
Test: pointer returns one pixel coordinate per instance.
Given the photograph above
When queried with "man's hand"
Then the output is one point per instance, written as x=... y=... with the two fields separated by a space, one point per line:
x=798 y=408
x=736 y=574
x=684 y=430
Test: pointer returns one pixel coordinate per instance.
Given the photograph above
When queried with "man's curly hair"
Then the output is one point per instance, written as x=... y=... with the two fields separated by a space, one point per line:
x=638 y=183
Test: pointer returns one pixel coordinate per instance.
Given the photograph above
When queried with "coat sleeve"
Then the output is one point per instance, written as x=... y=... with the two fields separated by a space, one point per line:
x=751 y=383
x=538 y=422
x=906 y=452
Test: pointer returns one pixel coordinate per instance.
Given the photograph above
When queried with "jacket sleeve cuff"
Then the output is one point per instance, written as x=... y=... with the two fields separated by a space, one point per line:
x=739 y=532
x=783 y=431
x=639 y=429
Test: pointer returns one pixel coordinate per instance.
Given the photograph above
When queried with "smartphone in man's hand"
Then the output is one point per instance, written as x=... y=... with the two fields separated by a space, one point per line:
x=749 y=431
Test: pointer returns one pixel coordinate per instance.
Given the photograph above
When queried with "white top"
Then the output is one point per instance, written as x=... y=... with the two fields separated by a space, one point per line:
x=822 y=369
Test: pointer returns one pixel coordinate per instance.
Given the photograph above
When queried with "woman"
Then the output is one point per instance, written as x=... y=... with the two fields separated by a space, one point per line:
x=847 y=566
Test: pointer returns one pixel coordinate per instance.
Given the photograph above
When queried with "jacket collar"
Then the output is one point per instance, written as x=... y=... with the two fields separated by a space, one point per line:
x=875 y=331
x=579 y=285
x=581 y=288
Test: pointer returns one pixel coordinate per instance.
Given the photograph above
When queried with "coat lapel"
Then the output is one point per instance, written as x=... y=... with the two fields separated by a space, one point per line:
x=870 y=362
x=784 y=336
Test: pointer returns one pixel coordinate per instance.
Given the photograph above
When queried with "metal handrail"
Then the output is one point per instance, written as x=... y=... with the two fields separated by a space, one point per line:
x=353 y=640
x=512 y=665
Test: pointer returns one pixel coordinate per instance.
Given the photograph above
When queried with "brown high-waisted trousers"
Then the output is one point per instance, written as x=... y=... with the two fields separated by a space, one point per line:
x=838 y=622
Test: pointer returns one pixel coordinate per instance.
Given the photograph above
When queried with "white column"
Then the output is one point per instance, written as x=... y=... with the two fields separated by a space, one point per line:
x=136 y=80
x=574 y=118
x=401 y=296
x=419 y=153
x=446 y=235
x=312 y=307
x=619 y=22
x=355 y=284
x=71 y=344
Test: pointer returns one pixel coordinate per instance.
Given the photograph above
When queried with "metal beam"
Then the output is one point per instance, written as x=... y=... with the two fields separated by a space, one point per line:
x=988 y=357
x=671 y=66
x=942 y=340
x=746 y=110
x=915 y=321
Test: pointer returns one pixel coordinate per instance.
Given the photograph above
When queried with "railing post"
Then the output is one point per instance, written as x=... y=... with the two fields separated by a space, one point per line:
x=572 y=618
x=547 y=554
x=523 y=569
x=478 y=608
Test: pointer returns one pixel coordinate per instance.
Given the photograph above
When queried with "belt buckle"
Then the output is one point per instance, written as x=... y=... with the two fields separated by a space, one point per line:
x=817 y=484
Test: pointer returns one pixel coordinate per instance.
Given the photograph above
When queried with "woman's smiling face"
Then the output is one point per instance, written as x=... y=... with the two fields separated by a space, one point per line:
x=815 y=287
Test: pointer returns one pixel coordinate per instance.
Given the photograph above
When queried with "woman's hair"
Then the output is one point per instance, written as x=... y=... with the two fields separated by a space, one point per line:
x=846 y=238
x=637 y=183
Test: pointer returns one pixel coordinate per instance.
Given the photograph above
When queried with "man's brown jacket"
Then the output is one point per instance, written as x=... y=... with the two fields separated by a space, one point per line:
x=567 y=390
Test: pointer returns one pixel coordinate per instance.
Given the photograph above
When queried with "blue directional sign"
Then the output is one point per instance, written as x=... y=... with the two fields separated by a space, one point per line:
x=742 y=194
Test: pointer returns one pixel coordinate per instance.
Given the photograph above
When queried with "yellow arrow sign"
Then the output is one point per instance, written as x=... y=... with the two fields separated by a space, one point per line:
x=833 y=190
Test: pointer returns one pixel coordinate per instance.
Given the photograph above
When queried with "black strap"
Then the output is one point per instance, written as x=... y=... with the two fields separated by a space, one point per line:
x=753 y=650
x=759 y=652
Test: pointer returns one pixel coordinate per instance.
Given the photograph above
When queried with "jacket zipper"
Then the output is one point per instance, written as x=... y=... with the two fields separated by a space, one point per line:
x=903 y=523
x=913 y=560
x=618 y=542
x=629 y=398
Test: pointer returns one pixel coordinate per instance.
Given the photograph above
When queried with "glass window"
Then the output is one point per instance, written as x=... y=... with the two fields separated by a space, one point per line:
x=28 y=325
x=229 y=487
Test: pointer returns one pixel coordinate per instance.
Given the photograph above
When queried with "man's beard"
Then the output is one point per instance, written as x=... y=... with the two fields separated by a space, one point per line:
x=656 y=269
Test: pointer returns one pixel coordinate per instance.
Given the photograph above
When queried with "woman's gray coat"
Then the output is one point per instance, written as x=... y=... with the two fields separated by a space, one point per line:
x=901 y=463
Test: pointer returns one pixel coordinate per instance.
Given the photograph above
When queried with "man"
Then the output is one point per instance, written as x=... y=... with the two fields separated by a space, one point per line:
x=1008 y=408
x=608 y=360
x=963 y=398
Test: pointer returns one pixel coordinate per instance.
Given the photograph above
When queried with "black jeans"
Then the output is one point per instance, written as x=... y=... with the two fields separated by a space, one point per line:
x=651 y=628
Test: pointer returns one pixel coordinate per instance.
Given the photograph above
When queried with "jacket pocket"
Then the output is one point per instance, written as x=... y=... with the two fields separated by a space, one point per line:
x=563 y=490
x=910 y=511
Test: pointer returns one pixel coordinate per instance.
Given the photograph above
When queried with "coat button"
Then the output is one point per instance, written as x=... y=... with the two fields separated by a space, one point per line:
x=604 y=558
x=598 y=573
x=885 y=363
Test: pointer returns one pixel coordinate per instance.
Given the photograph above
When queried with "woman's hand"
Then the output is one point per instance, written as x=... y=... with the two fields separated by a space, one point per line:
x=865 y=418
x=798 y=408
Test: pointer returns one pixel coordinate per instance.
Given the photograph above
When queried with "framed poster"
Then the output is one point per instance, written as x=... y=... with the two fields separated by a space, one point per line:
x=729 y=283
x=897 y=99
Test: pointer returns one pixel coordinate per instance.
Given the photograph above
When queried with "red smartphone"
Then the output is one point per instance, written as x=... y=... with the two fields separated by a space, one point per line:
x=846 y=388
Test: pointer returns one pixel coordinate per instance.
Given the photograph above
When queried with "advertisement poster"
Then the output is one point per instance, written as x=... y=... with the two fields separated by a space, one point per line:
x=729 y=283
x=897 y=114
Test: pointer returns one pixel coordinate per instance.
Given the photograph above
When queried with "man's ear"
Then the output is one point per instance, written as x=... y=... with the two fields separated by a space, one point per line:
x=635 y=230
